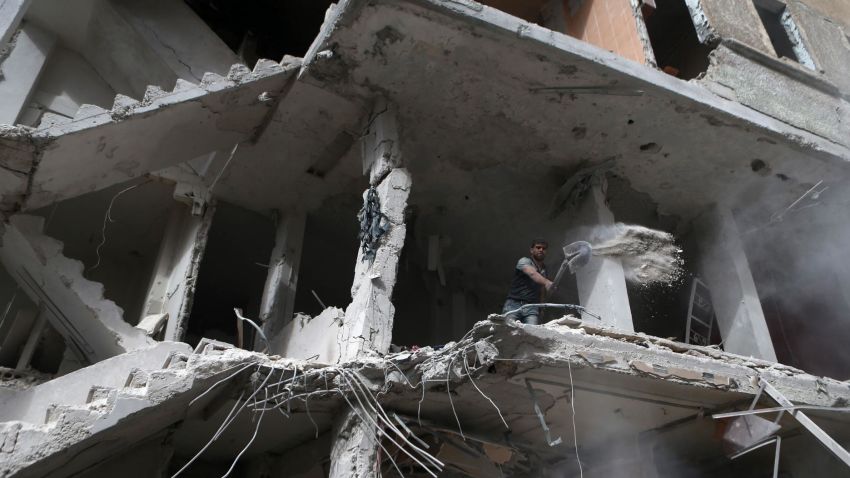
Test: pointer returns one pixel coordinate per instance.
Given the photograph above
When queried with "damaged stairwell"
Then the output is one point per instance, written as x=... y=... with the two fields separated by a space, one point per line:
x=66 y=157
x=92 y=326
x=46 y=426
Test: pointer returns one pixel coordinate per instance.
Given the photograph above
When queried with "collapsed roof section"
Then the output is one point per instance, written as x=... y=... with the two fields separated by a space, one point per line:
x=560 y=102
x=480 y=388
x=557 y=101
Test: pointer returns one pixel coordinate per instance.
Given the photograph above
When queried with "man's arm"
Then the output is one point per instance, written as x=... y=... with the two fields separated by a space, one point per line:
x=537 y=277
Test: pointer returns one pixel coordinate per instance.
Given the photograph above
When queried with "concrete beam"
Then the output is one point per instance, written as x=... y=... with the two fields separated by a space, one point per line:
x=22 y=69
x=11 y=13
x=602 y=282
x=724 y=267
x=278 y=301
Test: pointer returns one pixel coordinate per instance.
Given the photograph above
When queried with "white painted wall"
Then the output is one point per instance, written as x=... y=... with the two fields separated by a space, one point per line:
x=177 y=36
x=21 y=70
x=68 y=82
x=310 y=338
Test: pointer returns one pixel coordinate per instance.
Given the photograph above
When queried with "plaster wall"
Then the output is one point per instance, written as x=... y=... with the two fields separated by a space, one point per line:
x=177 y=36
x=828 y=42
x=21 y=70
x=836 y=10
x=118 y=54
x=757 y=84
x=736 y=19
x=95 y=30
x=822 y=25
x=68 y=82
x=313 y=338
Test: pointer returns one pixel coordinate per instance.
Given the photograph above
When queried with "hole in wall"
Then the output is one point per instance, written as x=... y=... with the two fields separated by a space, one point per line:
x=782 y=31
x=650 y=148
x=674 y=40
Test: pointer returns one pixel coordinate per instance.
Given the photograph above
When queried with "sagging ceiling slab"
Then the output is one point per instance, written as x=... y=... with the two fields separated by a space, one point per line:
x=480 y=90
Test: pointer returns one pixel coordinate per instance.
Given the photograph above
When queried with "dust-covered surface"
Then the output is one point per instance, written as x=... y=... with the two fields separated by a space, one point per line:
x=475 y=387
x=648 y=256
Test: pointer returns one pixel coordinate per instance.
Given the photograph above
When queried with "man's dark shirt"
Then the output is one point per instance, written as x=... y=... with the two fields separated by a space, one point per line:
x=523 y=288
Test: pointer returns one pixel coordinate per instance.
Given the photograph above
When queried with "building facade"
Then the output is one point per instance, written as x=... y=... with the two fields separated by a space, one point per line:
x=250 y=238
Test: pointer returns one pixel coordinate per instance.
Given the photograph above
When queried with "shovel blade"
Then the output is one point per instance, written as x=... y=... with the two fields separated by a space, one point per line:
x=577 y=255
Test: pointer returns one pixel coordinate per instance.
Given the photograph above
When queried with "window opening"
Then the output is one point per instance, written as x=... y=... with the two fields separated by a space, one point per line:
x=674 y=39
x=783 y=32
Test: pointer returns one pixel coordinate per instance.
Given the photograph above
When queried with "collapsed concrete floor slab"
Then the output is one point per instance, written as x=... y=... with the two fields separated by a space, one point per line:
x=476 y=128
x=526 y=400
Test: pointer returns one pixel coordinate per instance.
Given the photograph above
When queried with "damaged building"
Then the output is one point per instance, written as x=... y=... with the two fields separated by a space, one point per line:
x=275 y=239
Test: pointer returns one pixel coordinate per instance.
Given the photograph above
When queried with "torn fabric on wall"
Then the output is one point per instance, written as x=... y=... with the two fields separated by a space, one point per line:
x=373 y=225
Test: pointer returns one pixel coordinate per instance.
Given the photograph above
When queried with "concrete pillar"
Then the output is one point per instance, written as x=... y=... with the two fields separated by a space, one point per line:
x=369 y=318
x=21 y=70
x=354 y=449
x=278 y=301
x=172 y=284
x=724 y=268
x=602 y=282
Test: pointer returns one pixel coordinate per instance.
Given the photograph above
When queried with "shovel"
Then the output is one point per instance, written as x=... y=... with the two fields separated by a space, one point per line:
x=576 y=256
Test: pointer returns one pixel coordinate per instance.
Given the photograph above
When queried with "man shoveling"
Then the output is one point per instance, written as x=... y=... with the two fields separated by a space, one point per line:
x=530 y=284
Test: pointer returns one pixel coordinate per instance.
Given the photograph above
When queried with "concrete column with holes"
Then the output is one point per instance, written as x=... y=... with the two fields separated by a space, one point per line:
x=369 y=318
x=278 y=303
x=724 y=267
x=602 y=282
